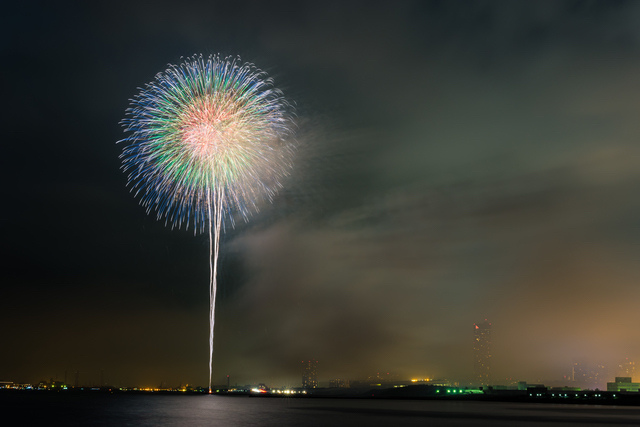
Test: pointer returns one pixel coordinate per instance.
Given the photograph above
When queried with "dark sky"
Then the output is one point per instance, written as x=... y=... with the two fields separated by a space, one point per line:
x=457 y=161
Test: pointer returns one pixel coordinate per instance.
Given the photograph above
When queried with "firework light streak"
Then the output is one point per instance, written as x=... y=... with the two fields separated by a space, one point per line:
x=208 y=138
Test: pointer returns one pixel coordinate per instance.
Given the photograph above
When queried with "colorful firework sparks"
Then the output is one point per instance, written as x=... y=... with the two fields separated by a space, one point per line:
x=209 y=137
x=206 y=127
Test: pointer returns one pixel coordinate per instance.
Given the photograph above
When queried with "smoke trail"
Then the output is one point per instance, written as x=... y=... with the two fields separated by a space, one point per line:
x=214 y=245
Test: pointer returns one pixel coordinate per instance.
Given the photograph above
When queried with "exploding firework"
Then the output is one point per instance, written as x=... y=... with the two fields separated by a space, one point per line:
x=208 y=138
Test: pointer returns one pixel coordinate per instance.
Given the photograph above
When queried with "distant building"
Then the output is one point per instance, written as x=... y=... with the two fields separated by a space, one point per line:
x=339 y=383
x=588 y=375
x=482 y=352
x=623 y=384
x=580 y=371
x=309 y=374
x=523 y=385
x=600 y=375
x=378 y=378
x=626 y=368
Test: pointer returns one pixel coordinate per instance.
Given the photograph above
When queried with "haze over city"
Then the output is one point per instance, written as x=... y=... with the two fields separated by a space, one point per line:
x=457 y=161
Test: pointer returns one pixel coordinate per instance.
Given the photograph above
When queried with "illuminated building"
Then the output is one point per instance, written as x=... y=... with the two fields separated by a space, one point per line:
x=626 y=368
x=309 y=374
x=377 y=379
x=587 y=375
x=579 y=371
x=482 y=352
x=623 y=384
x=339 y=383
x=600 y=373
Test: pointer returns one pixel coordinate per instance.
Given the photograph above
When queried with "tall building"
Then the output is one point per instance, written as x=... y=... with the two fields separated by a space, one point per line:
x=482 y=352
x=626 y=368
x=309 y=374
x=600 y=375
x=580 y=370
x=588 y=375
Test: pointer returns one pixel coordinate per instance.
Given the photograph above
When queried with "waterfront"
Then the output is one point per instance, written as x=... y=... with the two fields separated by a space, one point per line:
x=206 y=410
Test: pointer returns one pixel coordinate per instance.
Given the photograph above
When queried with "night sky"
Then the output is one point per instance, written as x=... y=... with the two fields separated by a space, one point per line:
x=456 y=161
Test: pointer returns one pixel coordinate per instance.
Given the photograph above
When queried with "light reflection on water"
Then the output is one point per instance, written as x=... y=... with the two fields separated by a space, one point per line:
x=206 y=410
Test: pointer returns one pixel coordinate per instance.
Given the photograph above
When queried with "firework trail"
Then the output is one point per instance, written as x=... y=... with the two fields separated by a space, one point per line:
x=208 y=138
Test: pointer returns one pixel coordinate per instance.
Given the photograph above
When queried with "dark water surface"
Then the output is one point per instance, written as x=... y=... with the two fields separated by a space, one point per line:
x=60 y=409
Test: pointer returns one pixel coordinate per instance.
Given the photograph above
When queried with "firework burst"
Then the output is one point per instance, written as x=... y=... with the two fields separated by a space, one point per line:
x=205 y=128
x=208 y=138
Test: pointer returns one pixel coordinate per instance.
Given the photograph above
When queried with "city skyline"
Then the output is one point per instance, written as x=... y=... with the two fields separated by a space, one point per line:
x=584 y=373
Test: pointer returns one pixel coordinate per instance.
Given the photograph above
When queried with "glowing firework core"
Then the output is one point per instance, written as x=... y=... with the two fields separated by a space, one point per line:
x=208 y=137
x=207 y=130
